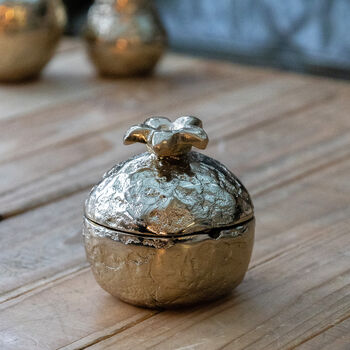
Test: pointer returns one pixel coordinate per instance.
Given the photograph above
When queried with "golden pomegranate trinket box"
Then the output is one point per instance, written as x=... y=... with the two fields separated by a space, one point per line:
x=169 y=227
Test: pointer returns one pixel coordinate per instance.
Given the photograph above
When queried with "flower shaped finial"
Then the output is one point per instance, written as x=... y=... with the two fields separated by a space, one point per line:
x=167 y=139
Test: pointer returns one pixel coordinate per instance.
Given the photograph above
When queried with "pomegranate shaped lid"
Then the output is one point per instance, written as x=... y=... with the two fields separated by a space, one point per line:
x=169 y=190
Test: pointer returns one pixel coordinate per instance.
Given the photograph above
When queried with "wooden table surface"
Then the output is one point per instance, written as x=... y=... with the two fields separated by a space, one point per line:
x=286 y=136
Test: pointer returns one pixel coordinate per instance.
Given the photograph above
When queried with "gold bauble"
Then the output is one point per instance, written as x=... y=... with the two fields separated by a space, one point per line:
x=124 y=37
x=29 y=33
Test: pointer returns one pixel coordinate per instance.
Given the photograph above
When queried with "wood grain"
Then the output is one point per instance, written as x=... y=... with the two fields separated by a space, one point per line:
x=276 y=155
x=63 y=312
x=272 y=155
x=59 y=83
x=336 y=336
x=286 y=136
x=313 y=236
x=280 y=305
x=71 y=79
x=41 y=243
x=122 y=102
x=284 y=300
x=89 y=156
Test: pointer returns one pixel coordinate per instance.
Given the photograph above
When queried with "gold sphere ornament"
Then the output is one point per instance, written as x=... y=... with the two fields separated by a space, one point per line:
x=169 y=227
x=29 y=33
x=124 y=37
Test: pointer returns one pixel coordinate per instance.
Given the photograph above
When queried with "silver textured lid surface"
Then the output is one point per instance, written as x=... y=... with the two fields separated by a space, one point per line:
x=161 y=194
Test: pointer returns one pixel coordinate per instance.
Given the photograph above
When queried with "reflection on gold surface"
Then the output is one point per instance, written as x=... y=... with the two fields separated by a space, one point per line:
x=7 y=13
x=12 y=16
x=121 y=4
x=168 y=272
x=124 y=37
x=121 y=44
x=28 y=36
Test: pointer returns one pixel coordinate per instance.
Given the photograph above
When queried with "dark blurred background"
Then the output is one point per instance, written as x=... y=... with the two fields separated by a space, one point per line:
x=302 y=35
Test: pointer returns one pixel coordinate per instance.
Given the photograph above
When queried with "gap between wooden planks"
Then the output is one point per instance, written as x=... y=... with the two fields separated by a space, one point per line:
x=336 y=336
x=27 y=189
x=314 y=235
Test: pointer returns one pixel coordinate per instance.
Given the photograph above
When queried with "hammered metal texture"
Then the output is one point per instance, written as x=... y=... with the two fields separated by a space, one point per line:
x=147 y=194
x=29 y=33
x=124 y=37
x=168 y=272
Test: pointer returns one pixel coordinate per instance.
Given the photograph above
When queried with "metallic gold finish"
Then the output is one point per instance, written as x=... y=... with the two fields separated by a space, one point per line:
x=165 y=138
x=169 y=227
x=124 y=37
x=29 y=33
x=169 y=271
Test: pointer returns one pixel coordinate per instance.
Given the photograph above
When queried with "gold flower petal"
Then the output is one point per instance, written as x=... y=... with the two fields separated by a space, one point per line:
x=137 y=133
x=167 y=139
x=194 y=136
x=162 y=137
x=186 y=121
x=158 y=123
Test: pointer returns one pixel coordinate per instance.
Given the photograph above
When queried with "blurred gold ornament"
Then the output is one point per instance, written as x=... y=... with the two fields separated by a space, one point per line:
x=169 y=227
x=29 y=33
x=124 y=37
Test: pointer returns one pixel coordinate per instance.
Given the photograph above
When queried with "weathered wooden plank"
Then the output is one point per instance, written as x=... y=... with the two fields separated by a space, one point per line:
x=301 y=249
x=41 y=243
x=304 y=140
x=125 y=100
x=77 y=164
x=70 y=77
x=337 y=336
x=301 y=209
x=67 y=77
x=63 y=312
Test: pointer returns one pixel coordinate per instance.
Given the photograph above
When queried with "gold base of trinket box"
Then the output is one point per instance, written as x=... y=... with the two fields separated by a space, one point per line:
x=168 y=272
